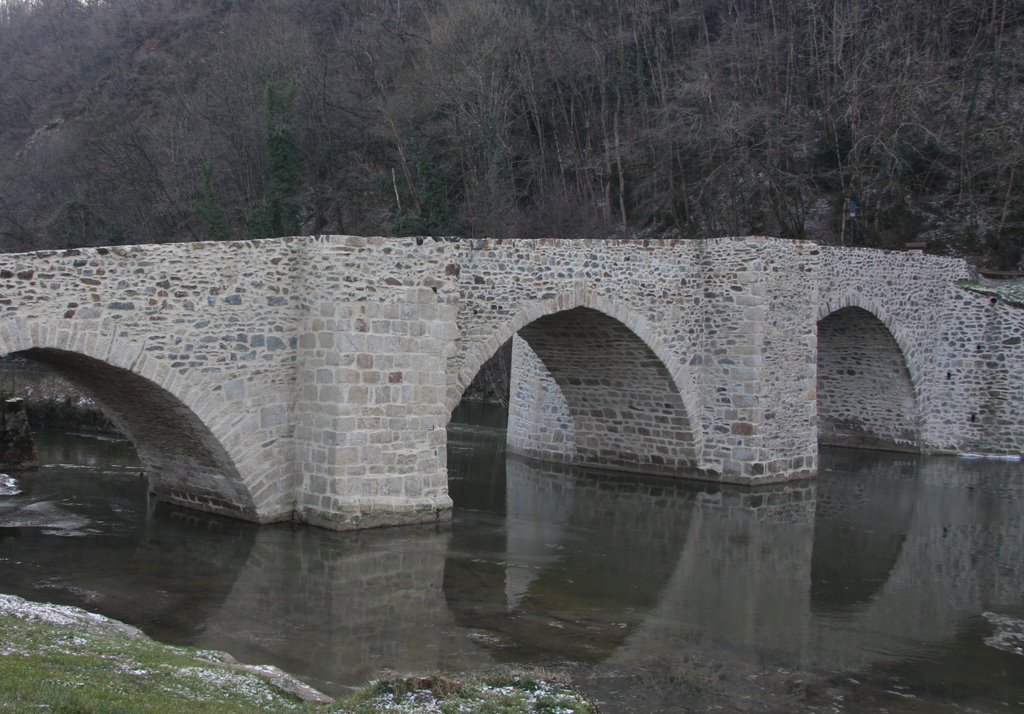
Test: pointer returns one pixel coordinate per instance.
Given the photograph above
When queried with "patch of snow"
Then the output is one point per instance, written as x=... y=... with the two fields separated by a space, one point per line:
x=45 y=516
x=8 y=486
x=1009 y=634
x=993 y=457
x=64 y=615
x=248 y=684
x=418 y=701
x=486 y=638
x=89 y=596
x=114 y=438
x=423 y=700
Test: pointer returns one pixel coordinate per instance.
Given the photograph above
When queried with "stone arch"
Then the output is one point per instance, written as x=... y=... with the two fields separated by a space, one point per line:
x=536 y=309
x=176 y=422
x=868 y=389
x=656 y=353
x=891 y=324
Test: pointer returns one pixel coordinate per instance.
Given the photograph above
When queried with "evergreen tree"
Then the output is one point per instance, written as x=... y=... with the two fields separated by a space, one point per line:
x=279 y=215
x=210 y=210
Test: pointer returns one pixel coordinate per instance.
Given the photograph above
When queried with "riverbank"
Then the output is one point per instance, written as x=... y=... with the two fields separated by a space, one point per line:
x=50 y=400
x=67 y=659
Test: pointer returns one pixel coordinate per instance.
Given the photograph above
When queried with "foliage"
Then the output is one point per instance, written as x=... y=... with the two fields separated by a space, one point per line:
x=210 y=210
x=279 y=215
x=514 y=117
x=76 y=222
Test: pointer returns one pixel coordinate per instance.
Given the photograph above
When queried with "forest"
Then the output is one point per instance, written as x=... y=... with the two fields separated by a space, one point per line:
x=857 y=122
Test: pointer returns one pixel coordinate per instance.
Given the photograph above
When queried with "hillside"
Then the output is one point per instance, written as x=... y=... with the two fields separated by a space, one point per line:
x=847 y=121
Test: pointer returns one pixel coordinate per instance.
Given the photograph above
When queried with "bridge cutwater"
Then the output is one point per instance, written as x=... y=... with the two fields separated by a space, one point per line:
x=312 y=378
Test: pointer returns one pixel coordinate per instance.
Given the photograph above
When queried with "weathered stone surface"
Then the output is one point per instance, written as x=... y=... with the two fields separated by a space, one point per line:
x=313 y=378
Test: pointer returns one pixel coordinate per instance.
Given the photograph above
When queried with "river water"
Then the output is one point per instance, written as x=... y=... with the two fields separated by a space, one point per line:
x=890 y=582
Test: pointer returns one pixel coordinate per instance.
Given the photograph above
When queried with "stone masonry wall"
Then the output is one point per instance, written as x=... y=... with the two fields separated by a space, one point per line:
x=539 y=420
x=962 y=350
x=651 y=287
x=753 y=305
x=313 y=378
x=975 y=400
x=705 y=321
x=208 y=332
x=370 y=417
x=626 y=411
x=787 y=390
x=269 y=380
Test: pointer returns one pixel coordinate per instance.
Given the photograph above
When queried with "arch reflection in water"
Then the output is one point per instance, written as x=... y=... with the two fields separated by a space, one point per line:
x=937 y=544
x=335 y=609
x=579 y=562
x=82 y=531
x=678 y=592
x=861 y=526
x=657 y=595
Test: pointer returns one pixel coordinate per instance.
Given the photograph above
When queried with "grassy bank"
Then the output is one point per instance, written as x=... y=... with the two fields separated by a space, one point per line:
x=63 y=659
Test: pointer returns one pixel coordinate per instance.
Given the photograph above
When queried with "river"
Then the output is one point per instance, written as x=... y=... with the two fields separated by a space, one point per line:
x=891 y=581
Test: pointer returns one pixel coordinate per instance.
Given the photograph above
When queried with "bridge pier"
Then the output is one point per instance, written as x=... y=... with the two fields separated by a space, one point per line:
x=370 y=421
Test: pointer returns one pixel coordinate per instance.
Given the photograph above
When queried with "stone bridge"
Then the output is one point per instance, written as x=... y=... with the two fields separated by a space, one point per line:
x=312 y=378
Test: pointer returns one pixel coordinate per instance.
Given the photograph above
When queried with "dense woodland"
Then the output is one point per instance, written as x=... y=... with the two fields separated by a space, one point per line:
x=126 y=121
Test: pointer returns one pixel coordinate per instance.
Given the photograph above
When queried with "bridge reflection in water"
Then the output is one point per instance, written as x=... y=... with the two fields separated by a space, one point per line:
x=655 y=594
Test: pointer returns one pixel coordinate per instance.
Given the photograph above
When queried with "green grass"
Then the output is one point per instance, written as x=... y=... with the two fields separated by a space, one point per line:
x=59 y=659
x=48 y=667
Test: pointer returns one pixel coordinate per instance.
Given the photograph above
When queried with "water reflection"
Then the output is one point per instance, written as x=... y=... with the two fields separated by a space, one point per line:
x=82 y=531
x=863 y=519
x=339 y=609
x=656 y=595
x=938 y=543
x=571 y=567
x=881 y=568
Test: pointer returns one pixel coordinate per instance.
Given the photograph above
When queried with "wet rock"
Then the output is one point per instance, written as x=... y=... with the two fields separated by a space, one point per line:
x=275 y=677
x=17 y=449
